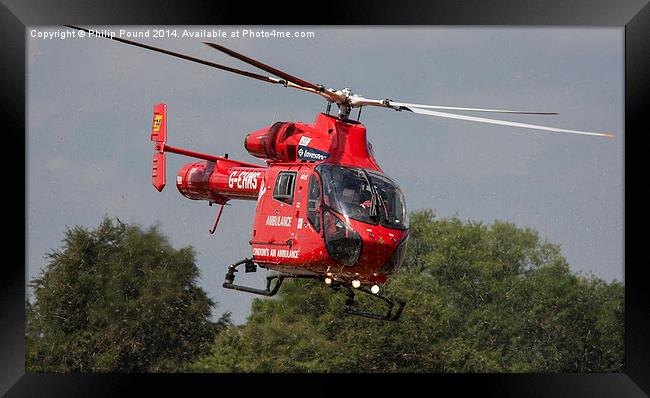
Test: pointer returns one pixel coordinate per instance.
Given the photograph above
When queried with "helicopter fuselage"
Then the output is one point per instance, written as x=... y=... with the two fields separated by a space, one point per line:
x=324 y=206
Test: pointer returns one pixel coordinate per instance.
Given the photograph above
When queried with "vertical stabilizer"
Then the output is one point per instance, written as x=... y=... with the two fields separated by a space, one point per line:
x=159 y=136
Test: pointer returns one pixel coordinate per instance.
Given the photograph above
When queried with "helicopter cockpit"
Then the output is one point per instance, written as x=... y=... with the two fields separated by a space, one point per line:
x=363 y=195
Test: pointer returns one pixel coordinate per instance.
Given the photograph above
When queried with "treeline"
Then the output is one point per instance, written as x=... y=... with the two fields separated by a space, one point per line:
x=118 y=299
x=481 y=298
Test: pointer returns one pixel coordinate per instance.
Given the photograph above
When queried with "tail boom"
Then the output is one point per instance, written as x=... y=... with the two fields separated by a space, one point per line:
x=217 y=180
x=220 y=181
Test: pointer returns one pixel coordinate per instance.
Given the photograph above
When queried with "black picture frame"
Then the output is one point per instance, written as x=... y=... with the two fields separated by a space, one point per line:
x=15 y=15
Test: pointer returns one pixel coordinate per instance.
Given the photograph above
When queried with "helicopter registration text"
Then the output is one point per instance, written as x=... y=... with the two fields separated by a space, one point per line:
x=243 y=179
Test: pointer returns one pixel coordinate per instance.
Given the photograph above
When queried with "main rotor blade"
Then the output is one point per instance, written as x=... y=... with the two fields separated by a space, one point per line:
x=264 y=67
x=502 y=122
x=187 y=57
x=454 y=108
x=357 y=101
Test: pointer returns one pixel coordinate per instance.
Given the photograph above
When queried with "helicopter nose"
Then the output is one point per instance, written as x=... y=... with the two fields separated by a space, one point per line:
x=380 y=244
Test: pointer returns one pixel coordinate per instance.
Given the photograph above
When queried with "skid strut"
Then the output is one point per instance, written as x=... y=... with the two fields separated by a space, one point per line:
x=390 y=304
x=251 y=267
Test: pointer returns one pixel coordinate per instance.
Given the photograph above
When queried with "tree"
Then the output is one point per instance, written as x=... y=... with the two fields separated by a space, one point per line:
x=481 y=298
x=117 y=299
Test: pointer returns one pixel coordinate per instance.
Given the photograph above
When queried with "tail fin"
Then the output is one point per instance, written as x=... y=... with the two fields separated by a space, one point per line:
x=159 y=135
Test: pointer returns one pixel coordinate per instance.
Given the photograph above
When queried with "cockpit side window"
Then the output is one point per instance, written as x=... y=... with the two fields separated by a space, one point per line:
x=313 y=206
x=284 y=187
x=392 y=201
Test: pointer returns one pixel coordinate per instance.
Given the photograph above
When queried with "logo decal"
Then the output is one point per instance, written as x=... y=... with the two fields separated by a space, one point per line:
x=306 y=153
x=157 y=121
x=304 y=141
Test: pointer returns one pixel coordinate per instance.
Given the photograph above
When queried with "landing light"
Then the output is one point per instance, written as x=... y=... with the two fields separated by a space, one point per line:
x=374 y=289
x=356 y=284
x=328 y=281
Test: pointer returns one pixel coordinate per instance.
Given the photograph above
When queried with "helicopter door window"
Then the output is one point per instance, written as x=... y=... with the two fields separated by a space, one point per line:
x=313 y=214
x=284 y=187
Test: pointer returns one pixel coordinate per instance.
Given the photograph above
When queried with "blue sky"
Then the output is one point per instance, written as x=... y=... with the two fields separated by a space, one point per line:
x=90 y=102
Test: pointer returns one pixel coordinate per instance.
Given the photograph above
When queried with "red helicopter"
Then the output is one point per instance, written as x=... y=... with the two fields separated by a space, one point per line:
x=325 y=209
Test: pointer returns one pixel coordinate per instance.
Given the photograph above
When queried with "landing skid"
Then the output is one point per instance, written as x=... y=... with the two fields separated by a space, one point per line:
x=251 y=267
x=271 y=289
x=390 y=304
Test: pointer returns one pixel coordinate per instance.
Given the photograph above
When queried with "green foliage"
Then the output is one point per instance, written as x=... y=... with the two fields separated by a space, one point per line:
x=118 y=299
x=480 y=298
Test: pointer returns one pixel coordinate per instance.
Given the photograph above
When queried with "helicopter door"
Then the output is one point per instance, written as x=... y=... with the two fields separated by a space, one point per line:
x=307 y=202
x=309 y=224
x=276 y=216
